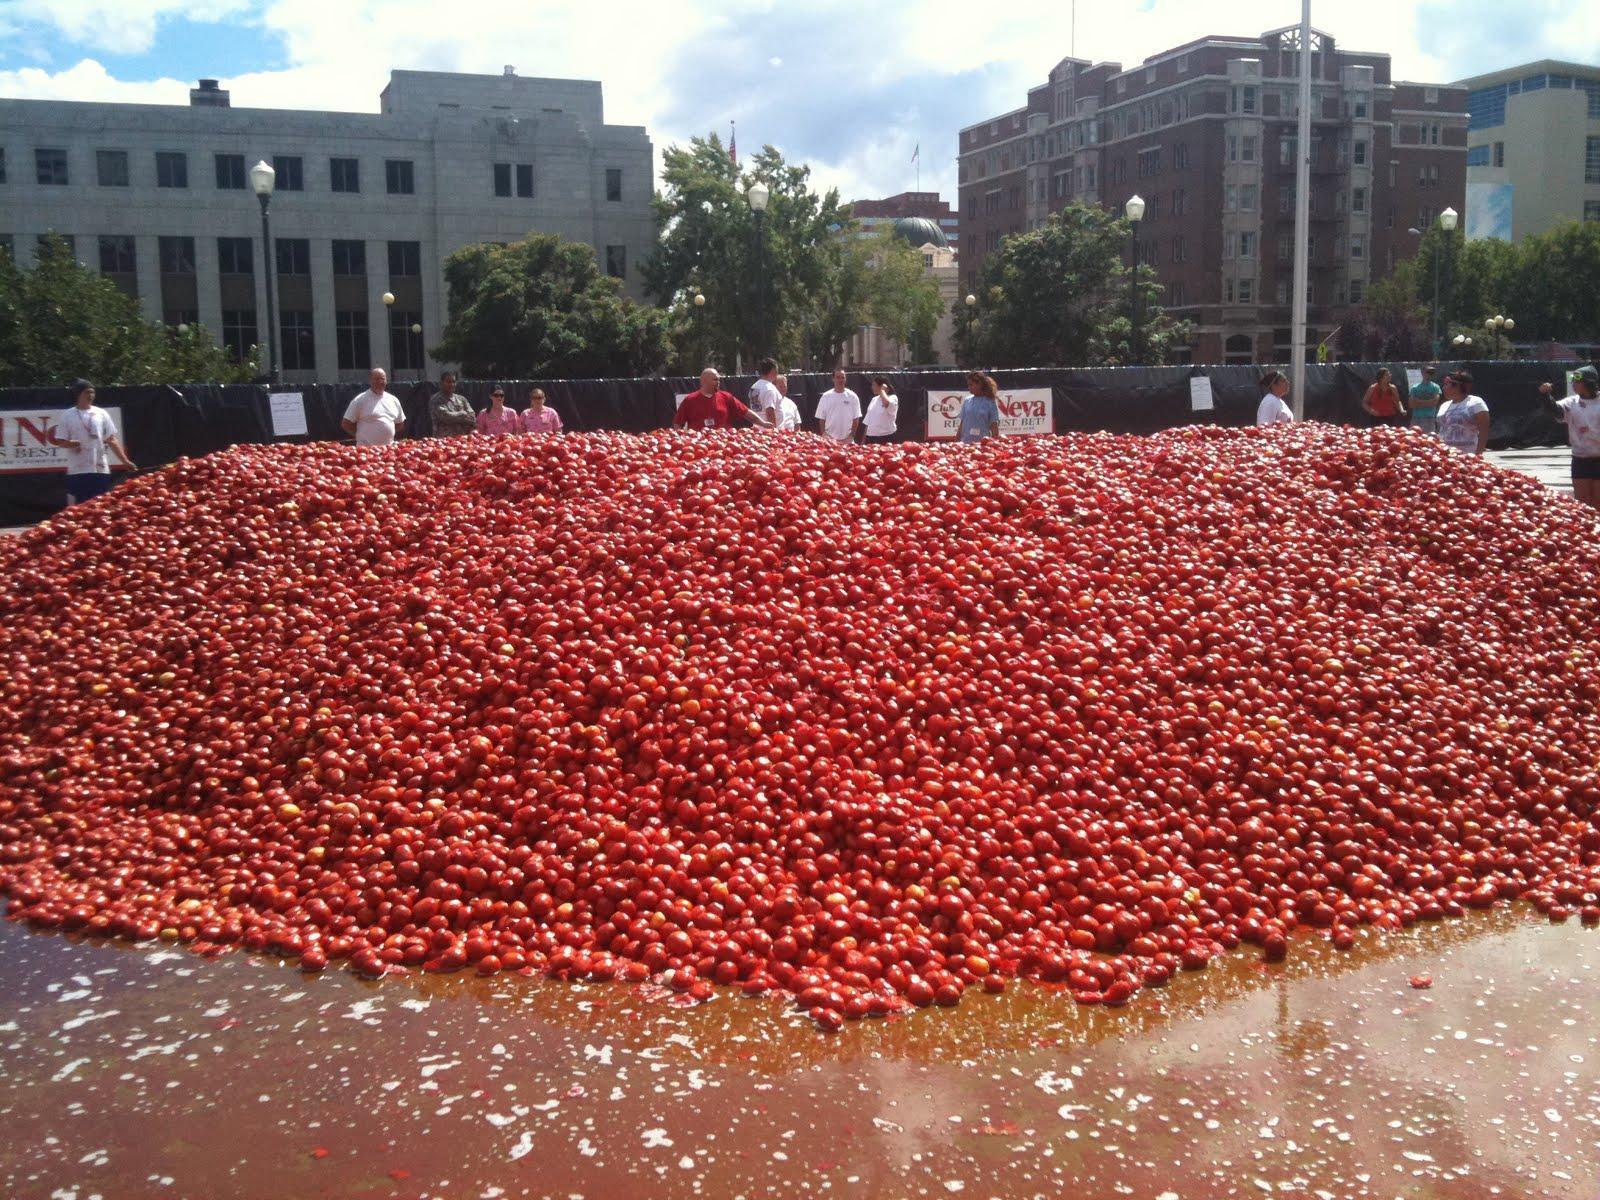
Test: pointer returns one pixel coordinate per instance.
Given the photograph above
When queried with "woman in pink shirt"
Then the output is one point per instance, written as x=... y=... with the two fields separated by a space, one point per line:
x=538 y=418
x=497 y=418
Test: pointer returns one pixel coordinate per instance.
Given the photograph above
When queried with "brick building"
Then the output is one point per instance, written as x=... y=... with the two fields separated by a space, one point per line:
x=1206 y=134
x=874 y=215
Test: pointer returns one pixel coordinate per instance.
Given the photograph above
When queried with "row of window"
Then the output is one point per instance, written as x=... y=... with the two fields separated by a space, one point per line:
x=1486 y=107
x=51 y=169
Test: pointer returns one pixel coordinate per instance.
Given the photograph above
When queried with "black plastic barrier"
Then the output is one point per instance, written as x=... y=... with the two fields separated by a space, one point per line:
x=164 y=423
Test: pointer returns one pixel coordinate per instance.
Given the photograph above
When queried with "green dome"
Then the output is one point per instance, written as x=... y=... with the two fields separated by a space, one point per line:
x=920 y=231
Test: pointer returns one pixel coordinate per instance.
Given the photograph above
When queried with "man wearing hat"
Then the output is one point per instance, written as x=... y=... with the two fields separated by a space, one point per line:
x=86 y=433
x=1580 y=413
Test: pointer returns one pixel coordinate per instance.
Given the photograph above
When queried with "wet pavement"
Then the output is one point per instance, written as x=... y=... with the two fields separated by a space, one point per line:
x=143 y=1072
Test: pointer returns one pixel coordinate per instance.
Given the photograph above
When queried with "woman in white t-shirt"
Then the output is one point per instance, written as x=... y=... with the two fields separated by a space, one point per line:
x=1273 y=407
x=86 y=433
x=883 y=412
x=1463 y=417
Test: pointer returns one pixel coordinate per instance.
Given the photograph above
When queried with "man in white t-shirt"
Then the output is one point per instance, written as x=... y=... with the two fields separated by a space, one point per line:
x=375 y=416
x=86 y=432
x=765 y=400
x=788 y=412
x=1580 y=413
x=839 y=411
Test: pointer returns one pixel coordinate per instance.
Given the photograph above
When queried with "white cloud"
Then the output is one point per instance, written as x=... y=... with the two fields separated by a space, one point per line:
x=117 y=26
x=89 y=80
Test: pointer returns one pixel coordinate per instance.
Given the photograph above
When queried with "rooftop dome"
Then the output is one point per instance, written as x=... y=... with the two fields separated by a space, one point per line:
x=920 y=231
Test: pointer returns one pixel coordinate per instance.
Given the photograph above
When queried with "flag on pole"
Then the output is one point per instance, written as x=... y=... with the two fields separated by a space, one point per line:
x=733 y=143
x=916 y=155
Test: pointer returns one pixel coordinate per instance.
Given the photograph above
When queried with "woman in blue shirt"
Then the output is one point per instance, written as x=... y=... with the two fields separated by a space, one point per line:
x=980 y=411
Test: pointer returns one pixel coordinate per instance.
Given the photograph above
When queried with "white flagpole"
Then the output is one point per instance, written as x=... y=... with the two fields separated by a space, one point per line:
x=1302 y=221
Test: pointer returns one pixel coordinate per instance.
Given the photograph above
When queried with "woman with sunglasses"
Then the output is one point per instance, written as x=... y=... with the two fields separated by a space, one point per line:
x=497 y=419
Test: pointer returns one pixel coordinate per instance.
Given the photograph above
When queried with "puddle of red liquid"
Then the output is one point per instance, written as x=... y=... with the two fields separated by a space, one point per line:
x=149 y=1072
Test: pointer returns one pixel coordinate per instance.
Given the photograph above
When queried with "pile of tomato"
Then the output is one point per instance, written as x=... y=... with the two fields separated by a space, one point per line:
x=866 y=726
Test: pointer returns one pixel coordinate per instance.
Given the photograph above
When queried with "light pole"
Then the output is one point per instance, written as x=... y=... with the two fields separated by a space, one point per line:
x=1134 y=211
x=1498 y=326
x=758 y=196
x=1447 y=222
x=262 y=179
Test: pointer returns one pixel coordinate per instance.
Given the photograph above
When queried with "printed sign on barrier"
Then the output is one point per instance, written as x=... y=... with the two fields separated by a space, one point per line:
x=1026 y=412
x=25 y=439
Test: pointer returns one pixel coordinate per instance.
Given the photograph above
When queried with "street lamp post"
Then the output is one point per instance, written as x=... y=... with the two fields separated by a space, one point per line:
x=1134 y=211
x=758 y=196
x=262 y=179
x=1447 y=222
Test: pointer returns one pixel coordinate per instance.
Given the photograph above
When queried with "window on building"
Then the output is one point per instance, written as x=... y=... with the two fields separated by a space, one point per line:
x=2 y=164
x=1180 y=156
x=177 y=255
x=50 y=166
x=405 y=347
x=234 y=257
x=1285 y=199
x=1358 y=108
x=399 y=176
x=116 y=254
x=1591 y=210
x=1227 y=291
x=173 y=317
x=291 y=172
x=1247 y=149
x=1178 y=253
x=524 y=180
x=1478 y=156
x=1591 y=160
x=1358 y=290
x=1247 y=291
x=1230 y=197
x=502 y=179
x=1286 y=151
x=349 y=256
x=1233 y=148
x=1283 y=290
x=353 y=339
x=1358 y=246
x=294 y=256
x=617 y=262
x=345 y=174
x=1149 y=162
x=405 y=260
x=1358 y=152
x=614 y=184
x=172 y=169
x=1175 y=295
x=239 y=332
x=1247 y=99
x=230 y=172
x=1247 y=245
x=1358 y=200
x=1248 y=193
x=111 y=167
x=299 y=340
x=1285 y=245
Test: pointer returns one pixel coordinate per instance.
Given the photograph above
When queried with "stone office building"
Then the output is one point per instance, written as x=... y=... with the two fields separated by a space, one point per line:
x=158 y=198
x=1205 y=133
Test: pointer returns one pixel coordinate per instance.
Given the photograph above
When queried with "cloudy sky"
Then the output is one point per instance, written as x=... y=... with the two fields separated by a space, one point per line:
x=850 y=86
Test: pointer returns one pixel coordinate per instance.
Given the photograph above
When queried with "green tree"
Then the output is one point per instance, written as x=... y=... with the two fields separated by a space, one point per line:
x=542 y=307
x=59 y=320
x=1061 y=296
x=902 y=298
x=774 y=289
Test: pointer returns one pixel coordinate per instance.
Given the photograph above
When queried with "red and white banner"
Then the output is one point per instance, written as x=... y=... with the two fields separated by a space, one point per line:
x=1027 y=412
x=25 y=439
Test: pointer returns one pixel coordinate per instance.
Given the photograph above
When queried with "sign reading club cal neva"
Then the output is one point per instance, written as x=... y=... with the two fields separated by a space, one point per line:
x=25 y=438
x=1026 y=412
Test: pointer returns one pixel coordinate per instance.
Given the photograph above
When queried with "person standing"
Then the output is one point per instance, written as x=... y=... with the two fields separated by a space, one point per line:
x=1273 y=408
x=765 y=399
x=1463 y=417
x=452 y=412
x=788 y=411
x=86 y=432
x=497 y=420
x=1580 y=413
x=980 y=411
x=839 y=410
x=540 y=418
x=1425 y=403
x=375 y=416
x=713 y=408
x=1382 y=400
x=883 y=412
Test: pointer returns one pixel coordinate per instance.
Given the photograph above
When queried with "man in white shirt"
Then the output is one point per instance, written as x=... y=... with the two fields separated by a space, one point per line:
x=1580 y=413
x=375 y=416
x=839 y=411
x=1274 y=409
x=765 y=400
x=86 y=433
x=788 y=411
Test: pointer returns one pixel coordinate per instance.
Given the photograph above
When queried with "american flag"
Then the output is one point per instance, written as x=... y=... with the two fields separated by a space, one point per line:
x=733 y=143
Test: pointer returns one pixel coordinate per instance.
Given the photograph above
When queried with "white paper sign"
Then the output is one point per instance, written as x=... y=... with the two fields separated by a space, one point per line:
x=1413 y=378
x=25 y=439
x=288 y=414
x=1026 y=412
x=1200 y=398
x=678 y=400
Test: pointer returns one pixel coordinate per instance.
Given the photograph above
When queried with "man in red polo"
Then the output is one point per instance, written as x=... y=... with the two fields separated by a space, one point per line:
x=711 y=407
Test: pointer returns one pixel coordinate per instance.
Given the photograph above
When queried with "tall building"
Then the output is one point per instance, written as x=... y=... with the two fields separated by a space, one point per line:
x=1533 y=148
x=1205 y=133
x=873 y=215
x=158 y=198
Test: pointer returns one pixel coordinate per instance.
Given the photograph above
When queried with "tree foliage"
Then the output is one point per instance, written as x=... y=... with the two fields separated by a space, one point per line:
x=1061 y=295
x=902 y=298
x=542 y=307
x=60 y=321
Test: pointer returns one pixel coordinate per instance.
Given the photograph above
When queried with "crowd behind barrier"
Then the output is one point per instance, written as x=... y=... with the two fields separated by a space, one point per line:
x=162 y=423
